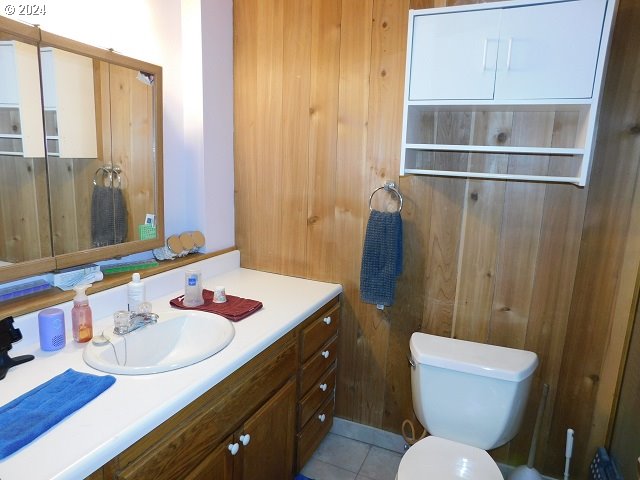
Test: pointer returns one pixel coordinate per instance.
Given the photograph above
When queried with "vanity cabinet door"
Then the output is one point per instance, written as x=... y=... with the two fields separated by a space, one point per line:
x=218 y=464
x=267 y=439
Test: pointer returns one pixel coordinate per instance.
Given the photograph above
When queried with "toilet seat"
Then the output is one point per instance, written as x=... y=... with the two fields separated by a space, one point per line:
x=438 y=458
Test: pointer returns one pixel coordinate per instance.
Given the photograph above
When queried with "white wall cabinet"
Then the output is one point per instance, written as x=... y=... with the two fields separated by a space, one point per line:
x=514 y=56
x=20 y=108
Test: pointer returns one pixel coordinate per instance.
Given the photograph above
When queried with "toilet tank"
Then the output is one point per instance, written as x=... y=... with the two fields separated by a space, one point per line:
x=470 y=392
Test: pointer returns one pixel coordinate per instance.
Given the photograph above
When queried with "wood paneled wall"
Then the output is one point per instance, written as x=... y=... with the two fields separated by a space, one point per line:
x=546 y=267
x=625 y=445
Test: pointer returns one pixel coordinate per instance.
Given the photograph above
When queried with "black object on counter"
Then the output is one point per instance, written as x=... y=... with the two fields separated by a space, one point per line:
x=8 y=335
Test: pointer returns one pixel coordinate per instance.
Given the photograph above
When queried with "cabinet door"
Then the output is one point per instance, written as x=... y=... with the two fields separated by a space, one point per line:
x=218 y=464
x=454 y=55
x=8 y=75
x=268 y=453
x=549 y=51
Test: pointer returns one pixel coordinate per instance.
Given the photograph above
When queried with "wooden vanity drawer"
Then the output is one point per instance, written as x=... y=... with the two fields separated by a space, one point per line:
x=317 y=365
x=314 y=431
x=319 y=331
x=317 y=395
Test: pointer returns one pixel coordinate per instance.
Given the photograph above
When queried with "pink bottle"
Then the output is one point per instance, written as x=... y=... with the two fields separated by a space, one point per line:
x=81 y=318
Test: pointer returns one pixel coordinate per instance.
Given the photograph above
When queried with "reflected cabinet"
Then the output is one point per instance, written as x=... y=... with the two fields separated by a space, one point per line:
x=80 y=153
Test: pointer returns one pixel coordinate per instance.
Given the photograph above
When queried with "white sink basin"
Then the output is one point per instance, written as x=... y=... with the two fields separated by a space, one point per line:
x=180 y=338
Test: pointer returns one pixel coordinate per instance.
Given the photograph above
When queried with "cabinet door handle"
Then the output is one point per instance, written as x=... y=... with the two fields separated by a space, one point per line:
x=323 y=387
x=327 y=320
x=245 y=439
x=509 y=53
x=484 y=54
x=233 y=448
x=325 y=354
x=322 y=417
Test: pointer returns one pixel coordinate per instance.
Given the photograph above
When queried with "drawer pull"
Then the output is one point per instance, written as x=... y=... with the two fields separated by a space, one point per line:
x=325 y=354
x=322 y=417
x=327 y=320
x=323 y=387
x=233 y=448
x=245 y=439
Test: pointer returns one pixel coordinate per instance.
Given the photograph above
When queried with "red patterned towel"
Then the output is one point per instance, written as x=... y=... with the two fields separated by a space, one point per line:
x=235 y=308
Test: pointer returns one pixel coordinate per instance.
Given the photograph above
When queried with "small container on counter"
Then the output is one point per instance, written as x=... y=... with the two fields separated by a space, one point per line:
x=51 y=329
x=219 y=295
x=192 y=288
x=81 y=317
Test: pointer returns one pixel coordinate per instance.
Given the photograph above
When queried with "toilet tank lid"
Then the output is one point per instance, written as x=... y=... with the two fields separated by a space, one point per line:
x=470 y=357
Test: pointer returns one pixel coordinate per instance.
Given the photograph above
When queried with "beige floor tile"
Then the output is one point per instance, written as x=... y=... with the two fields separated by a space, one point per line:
x=343 y=452
x=381 y=464
x=319 y=470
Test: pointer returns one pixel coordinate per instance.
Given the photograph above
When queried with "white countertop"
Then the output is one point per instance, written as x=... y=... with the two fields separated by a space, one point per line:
x=135 y=405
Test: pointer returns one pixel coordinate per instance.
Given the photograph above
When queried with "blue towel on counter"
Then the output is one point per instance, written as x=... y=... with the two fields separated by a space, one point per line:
x=27 y=417
x=381 y=258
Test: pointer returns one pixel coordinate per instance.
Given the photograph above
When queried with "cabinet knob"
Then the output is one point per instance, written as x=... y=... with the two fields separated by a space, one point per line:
x=325 y=354
x=233 y=448
x=322 y=417
x=327 y=320
x=323 y=387
x=245 y=439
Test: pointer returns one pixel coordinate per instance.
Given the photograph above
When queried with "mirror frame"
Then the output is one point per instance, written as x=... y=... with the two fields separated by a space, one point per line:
x=23 y=32
x=34 y=35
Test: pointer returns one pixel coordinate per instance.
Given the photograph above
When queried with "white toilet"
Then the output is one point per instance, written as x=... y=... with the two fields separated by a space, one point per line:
x=470 y=397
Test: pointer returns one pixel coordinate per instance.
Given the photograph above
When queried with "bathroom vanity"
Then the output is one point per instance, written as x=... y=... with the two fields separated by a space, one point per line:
x=257 y=409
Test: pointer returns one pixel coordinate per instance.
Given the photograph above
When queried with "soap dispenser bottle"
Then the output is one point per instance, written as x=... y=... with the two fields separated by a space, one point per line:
x=135 y=293
x=81 y=317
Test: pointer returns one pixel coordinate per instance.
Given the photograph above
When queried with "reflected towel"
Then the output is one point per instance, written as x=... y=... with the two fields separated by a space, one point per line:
x=108 y=216
x=27 y=417
x=381 y=258
x=234 y=309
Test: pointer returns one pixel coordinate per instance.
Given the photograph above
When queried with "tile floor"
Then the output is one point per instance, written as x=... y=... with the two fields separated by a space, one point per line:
x=342 y=458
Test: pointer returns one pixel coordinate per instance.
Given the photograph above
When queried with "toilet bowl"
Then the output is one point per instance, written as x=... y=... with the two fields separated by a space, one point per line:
x=470 y=397
x=435 y=458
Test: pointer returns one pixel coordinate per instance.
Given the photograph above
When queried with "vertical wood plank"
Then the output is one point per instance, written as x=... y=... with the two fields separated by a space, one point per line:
x=295 y=136
x=446 y=212
x=351 y=195
x=519 y=238
x=325 y=76
x=63 y=205
x=268 y=138
x=410 y=302
x=245 y=44
x=483 y=206
x=383 y=149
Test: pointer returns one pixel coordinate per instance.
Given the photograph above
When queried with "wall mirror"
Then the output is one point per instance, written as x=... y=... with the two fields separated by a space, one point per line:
x=97 y=182
x=25 y=234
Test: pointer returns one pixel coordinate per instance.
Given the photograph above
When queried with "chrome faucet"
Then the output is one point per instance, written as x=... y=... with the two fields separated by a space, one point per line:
x=136 y=320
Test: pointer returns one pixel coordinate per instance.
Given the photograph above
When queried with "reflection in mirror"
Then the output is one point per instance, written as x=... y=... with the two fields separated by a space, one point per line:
x=72 y=153
x=24 y=209
x=99 y=122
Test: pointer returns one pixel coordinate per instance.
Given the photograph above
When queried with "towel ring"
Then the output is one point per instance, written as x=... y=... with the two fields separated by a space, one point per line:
x=113 y=173
x=389 y=187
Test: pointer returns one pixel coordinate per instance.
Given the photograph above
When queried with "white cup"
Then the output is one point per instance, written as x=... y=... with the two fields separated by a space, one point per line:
x=219 y=296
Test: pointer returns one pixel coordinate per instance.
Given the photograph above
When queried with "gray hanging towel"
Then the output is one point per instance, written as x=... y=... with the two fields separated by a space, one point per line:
x=381 y=258
x=108 y=216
